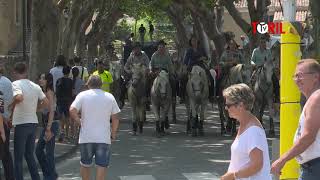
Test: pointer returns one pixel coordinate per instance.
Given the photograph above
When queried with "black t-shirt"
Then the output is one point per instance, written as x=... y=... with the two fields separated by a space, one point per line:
x=151 y=28
x=142 y=30
x=64 y=91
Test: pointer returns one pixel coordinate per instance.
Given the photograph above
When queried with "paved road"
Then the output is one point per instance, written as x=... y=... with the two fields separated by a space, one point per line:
x=173 y=157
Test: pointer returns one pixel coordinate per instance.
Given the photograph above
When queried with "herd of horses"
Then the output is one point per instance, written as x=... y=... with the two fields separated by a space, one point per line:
x=163 y=95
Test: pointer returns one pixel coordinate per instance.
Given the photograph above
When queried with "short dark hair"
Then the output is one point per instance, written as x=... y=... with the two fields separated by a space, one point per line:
x=77 y=59
x=61 y=61
x=20 y=68
x=66 y=70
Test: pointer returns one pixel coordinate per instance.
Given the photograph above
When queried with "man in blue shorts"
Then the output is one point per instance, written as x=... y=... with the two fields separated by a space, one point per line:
x=96 y=107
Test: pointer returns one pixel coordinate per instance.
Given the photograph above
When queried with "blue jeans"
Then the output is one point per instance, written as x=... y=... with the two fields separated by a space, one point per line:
x=310 y=170
x=100 y=151
x=24 y=143
x=46 y=158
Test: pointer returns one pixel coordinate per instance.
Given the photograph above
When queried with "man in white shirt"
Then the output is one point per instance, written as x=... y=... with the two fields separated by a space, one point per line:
x=96 y=107
x=6 y=89
x=26 y=95
x=56 y=71
x=83 y=71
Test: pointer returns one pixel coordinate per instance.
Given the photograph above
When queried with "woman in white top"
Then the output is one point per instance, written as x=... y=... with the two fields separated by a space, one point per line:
x=249 y=151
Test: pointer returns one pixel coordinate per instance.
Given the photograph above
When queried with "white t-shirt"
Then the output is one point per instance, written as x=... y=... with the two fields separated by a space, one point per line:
x=96 y=107
x=56 y=74
x=6 y=89
x=85 y=72
x=253 y=137
x=25 y=111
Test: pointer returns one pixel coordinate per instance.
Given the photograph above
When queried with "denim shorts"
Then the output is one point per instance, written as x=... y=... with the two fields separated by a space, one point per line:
x=100 y=151
x=310 y=170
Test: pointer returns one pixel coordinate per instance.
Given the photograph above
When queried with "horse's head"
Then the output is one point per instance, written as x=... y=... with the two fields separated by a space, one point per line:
x=197 y=80
x=115 y=70
x=161 y=84
x=268 y=71
x=246 y=71
x=138 y=75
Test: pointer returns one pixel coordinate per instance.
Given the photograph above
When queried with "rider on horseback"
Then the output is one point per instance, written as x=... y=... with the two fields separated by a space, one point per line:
x=196 y=56
x=229 y=58
x=260 y=55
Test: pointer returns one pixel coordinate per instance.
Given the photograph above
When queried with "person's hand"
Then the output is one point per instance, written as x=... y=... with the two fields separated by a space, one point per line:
x=48 y=134
x=113 y=136
x=277 y=166
x=227 y=176
x=3 y=136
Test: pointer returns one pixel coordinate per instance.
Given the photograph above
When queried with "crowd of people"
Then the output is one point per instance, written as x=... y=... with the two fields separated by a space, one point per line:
x=70 y=98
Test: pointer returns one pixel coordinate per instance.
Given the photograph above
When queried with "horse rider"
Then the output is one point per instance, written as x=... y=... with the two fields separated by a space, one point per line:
x=137 y=56
x=161 y=60
x=197 y=56
x=229 y=58
x=260 y=55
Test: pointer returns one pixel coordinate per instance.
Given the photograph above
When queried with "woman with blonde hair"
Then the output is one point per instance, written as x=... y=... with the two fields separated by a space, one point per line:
x=249 y=151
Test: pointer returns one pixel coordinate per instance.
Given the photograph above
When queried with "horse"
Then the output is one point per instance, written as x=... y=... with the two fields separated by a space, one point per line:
x=161 y=96
x=137 y=96
x=116 y=70
x=241 y=73
x=196 y=100
x=263 y=90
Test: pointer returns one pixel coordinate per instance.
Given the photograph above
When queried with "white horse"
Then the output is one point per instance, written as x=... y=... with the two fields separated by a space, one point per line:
x=116 y=70
x=161 y=96
x=137 y=96
x=197 y=99
x=263 y=90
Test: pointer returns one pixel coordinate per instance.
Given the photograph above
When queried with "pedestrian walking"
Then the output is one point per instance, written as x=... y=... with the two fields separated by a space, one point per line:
x=7 y=95
x=142 y=32
x=64 y=99
x=306 y=148
x=26 y=95
x=83 y=71
x=249 y=150
x=151 y=30
x=46 y=143
x=105 y=75
x=56 y=71
x=96 y=107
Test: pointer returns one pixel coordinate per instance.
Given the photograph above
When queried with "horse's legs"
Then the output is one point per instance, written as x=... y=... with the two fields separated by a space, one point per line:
x=220 y=106
x=173 y=109
x=271 y=116
x=189 y=115
x=156 y=111
x=134 y=120
x=194 y=120
x=202 y=111
x=142 y=113
x=261 y=111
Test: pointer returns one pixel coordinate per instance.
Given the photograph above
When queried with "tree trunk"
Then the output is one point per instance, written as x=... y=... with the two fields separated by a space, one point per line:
x=176 y=14
x=44 y=36
x=315 y=4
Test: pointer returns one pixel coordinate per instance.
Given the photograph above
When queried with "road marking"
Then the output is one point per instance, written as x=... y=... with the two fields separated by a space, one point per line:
x=138 y=177
x=200 y=176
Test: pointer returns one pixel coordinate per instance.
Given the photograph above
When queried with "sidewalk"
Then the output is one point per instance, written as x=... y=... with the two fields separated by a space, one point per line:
x=62 y=150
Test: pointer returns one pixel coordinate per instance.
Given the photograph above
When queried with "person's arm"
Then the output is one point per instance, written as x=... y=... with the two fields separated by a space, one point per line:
x=75 y=108
x=310 y=130
x=128 y=65
x=74 y=114
x=2 y=132
x=50 y=98
x=17 y=95
x=254 y=57
x=115 y=119
x=115 y=126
